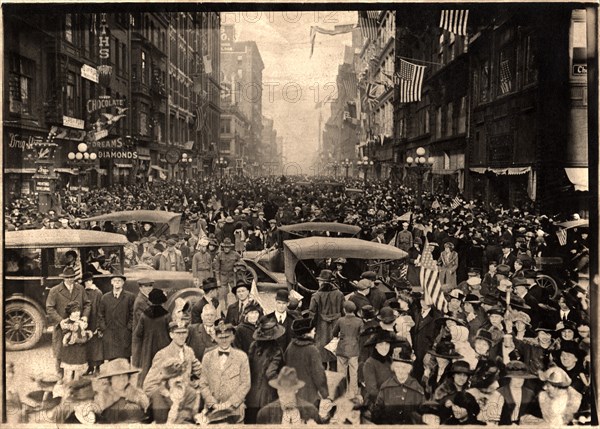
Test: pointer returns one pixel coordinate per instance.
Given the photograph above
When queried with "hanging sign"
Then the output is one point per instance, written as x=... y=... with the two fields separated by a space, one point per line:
x=104 y=69
x=104 y=102
x=89 y=73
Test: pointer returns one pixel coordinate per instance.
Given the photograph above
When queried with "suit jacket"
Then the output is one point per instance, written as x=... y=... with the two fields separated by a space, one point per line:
x=528 y=404
x=58 y=298
x=230 y=383
x=272 y=414
x=199 y=340
x=154 y=378
x=508 y=260
x=115 y=321
x=198 y=306
x=285 y=340
x=424 y=331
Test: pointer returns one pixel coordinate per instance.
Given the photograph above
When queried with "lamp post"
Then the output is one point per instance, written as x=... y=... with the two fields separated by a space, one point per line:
x=186 y=162
x=420 y=165
x=336 y=167
x=81 y=158
x=365 y=163
x=222 y=164
x=255 y=165
x=346 y=164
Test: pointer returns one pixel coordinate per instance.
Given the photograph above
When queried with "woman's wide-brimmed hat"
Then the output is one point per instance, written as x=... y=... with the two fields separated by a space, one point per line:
x=556 y=376
x=517 y=369
x=268 y=329
x=116 y=367
x=287 y=380
x=382 y=336
x=157 y=297
x=446 y=350
x=460 y=366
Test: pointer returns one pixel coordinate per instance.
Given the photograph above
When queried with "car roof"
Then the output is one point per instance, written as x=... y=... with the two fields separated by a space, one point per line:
x=158 y=216
x=321 y=227
x=581 y=223
x=328 y=247
x=51 y=238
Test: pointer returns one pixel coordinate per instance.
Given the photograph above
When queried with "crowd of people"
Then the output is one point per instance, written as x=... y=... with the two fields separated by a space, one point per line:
x=500 y=349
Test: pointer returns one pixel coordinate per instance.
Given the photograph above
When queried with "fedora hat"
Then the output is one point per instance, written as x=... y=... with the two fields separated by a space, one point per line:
x=239 y=284
x=503 y=269
x=368 y=312
x=325 y=276
x=227 y=242
x=116 y=367
x=87 y=276
x=81 y=390
x=445 y=349
x=555 y=376
x=157 y=297
x=302 y=326
x=460 y=366
x=517 y=369
x=209 y=284
x=403 y=352
x=268 y=329
x=517 y=302
x=68 y=273
x=282 y=295
x=386 y=315
x=118 y=275
x=287 y=380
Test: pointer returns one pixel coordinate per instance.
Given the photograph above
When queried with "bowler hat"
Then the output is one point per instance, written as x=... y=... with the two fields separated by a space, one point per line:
x=282 y=295
x=68 y=273
x=386 y=315
x=517 y=369
x=325 y=276
x=209 y=284
x=445 y=349
x=460 y=366
x=403 y=352
x=87 y=276
x=157 y=296
x=117 y=366
x=302 y=326
x=287 y=380
x=118 y=275
x=268 y=329
x=239 y=284
x=81 y=390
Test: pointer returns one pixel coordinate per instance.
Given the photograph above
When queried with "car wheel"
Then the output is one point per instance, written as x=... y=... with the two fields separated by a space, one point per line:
x=247 y=276
x=548 y=283
x=23 y=326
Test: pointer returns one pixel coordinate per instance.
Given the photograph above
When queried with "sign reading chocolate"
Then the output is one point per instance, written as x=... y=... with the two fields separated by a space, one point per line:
x=104 y=102
x=117 y=154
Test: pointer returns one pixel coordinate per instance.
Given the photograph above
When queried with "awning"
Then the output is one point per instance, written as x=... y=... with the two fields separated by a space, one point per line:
x=479 y=170
x=511 y=171
x=578 y=176
x=157 y=168
x=101 y=171
x=66 y=170
x=444 y=171
x=123 y=165
x=144 y=157
x=19 y=171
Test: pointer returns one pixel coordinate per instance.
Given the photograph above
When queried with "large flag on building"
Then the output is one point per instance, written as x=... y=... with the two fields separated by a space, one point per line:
x=430 y=280
x=338 y=29
x=371 y=93
x=411 y=81
x=367 y=24
x=349 y=83
x=455 y=21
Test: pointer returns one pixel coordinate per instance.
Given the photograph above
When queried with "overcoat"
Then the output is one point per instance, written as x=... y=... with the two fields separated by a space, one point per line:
x=94 y=346
x=303 y=355
x=326 y=308
x=115 y=321
x=398 y=403
x=266 y=359
x=150 y=336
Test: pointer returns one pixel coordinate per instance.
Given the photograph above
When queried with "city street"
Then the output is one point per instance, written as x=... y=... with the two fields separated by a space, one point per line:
x=301 y=217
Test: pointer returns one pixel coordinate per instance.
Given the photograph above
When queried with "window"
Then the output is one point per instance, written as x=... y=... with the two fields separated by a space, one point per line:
x=449 y=119
x=530 y=72
x=441 y=49
x=70 y=94
x=426 y=120
x=438 y=123
x=69 y=28
x=20 y=83
x=484 y=82
x=144 y=67
x=462 y=116
x=452 y=46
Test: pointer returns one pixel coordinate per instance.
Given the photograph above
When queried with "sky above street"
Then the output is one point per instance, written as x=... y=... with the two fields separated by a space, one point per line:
x=293 y=81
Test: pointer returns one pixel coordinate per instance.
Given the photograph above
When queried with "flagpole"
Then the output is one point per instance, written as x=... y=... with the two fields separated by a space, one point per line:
x=421 y=61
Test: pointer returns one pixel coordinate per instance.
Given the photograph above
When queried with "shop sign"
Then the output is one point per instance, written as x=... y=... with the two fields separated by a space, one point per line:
x=73 y=122
x=68 y=134
x=579 y=69
x=89 y=73
x=107 y=144
x=42 y=186
x=104 y=102
x=23 y=142
x=143 y=151
x=117 y=154
x=93 y=136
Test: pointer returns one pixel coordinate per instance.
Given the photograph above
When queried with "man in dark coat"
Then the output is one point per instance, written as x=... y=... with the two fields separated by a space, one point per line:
x=241 y=290
x=289 y=408
x=283 y=316
x=211 y=291
x=115 y=320
x=423 y=333
x=141 y=300
x=202 y=335
x=58 y=298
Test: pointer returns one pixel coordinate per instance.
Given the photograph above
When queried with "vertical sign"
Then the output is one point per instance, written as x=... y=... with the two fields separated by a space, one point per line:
x=105 y=69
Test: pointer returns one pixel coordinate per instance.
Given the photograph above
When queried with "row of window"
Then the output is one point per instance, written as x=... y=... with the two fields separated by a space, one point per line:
x=447 y=121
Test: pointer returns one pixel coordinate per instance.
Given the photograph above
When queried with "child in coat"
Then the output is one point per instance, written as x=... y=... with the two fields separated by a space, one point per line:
x=75 y=335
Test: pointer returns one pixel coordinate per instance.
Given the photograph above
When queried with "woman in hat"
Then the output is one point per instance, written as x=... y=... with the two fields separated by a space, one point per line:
x=266 y=359
x=519 y=400
x=244 y=332
x=558 y=400
x=474 y=313
x=377 y=368
x=437 y=364
x=174 y=401
x=151 y=333
x=448 y=264
x=459 y=374
x=119 y=400
x=78 y=405
x=464 y=408
x=484 y=388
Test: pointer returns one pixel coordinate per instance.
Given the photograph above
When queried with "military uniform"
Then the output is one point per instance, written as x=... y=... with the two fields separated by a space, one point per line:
x=404 y=240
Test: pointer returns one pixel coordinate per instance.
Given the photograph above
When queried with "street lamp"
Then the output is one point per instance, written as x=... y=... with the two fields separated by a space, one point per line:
x=336 y=167
x=420 y=165
x=346 y=164
x=365 y=164
x=83 y=158
x=222 y=164
x=186 y=161
x=255 y=165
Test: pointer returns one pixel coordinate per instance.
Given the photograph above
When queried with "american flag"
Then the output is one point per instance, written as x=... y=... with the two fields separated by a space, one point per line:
x=349 y=83
x=505 y=77
x=368 y=25
x=455 y=21
x=430 y=280
x=562 y=236
x=411 y=80
x=455 y=203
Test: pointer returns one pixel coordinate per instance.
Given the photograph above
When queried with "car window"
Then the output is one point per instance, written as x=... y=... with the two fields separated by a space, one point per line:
x=102 y=260
x=60 y=257
x=23 y=262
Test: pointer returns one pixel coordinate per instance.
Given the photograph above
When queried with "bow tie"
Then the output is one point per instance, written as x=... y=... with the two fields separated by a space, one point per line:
x=223 y=353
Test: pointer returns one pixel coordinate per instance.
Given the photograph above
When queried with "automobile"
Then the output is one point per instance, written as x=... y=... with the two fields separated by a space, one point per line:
x=34 y=261
x=305 y=257
x=165 y=222
x=272 y=259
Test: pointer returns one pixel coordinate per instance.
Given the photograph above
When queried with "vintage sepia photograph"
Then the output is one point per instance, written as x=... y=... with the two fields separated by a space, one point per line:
x=300 y=214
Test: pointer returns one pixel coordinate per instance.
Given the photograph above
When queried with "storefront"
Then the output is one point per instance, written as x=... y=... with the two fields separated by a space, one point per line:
x=19 y=159
x=509 y=186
